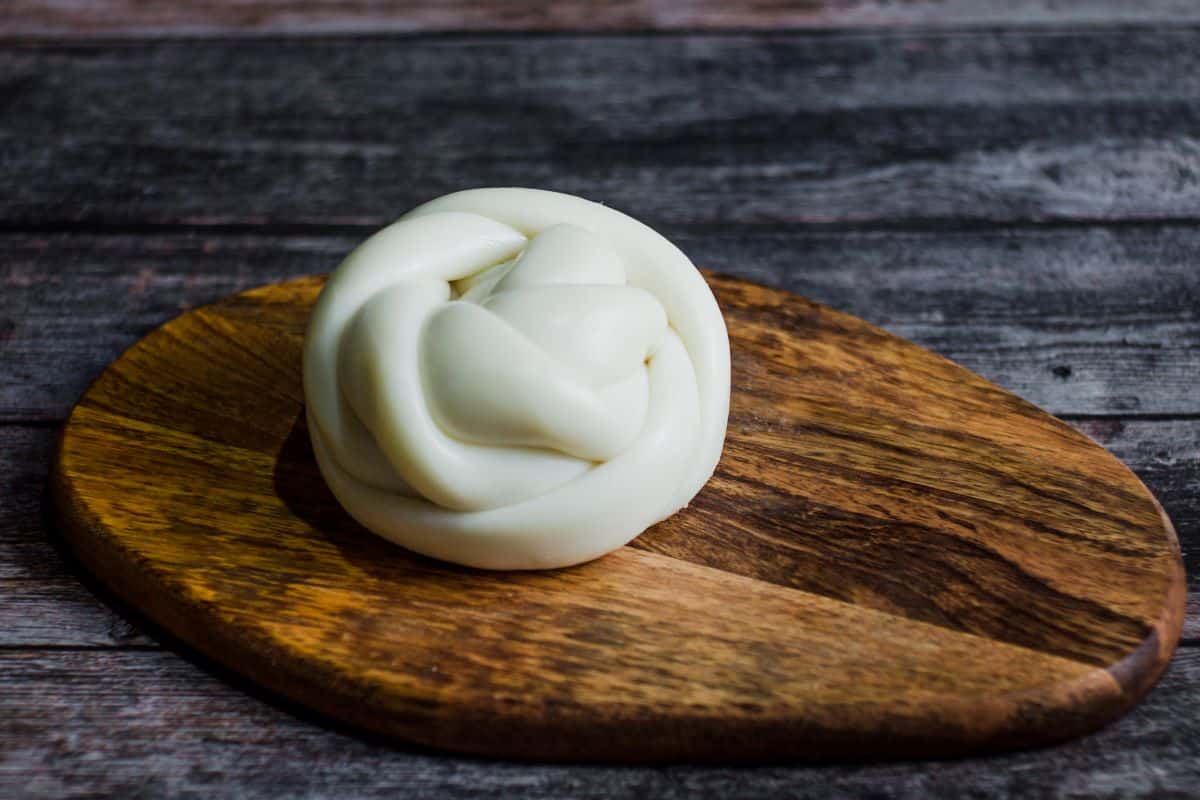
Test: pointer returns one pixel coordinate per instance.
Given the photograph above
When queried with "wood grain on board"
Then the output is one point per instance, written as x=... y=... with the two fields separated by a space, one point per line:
x=46 y=605
x=106 y=18
x=916 y=130
x=894 y=558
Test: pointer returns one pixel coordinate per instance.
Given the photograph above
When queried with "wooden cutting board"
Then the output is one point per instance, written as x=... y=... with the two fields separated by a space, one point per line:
x=894 y=558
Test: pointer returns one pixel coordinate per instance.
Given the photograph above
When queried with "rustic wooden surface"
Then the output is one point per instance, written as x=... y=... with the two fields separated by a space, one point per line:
x=893 y=558
x=1020 y=194
x=849 y=130
x=123 y=18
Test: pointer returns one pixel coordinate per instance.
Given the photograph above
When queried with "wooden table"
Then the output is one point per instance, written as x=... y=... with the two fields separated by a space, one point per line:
x=1018 y=190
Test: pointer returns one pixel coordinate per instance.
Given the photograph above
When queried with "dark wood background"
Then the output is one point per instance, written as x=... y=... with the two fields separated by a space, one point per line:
x=1016 y=186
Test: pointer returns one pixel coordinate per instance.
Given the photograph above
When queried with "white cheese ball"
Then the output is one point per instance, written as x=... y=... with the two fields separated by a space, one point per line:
x=516 y=379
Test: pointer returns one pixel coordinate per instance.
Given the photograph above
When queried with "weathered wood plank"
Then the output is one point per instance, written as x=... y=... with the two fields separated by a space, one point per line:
x=42 y=601
x=1088 y=321
x=152 y=724
x=881 y=129
x=25 y=456
x=72 y=304
x=79 y=18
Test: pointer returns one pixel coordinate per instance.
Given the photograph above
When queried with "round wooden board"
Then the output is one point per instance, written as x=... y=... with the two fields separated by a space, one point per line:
x=894 y=558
